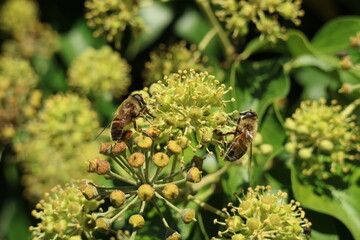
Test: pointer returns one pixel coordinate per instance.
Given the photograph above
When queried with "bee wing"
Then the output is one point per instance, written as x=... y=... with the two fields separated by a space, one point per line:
x=237 y=149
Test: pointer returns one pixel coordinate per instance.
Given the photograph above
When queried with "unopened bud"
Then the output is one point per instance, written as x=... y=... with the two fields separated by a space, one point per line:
x=170 y=191
x=103 y=167
x=234 y=223
x=194 y=175
x=188 y=215
x=102 y=224
x=90 y=192
x=136 y=159
x=305 y=153
x=174 y=147
x=161 y=159
x=92 y=164
x=172 y=235
x=105 y=147
x=183 y=142
x=118 y=147
x=117 y=198
x=143 y=142
x=326 y=145
x=266 y=149
x=145 y=192
x=137 y=221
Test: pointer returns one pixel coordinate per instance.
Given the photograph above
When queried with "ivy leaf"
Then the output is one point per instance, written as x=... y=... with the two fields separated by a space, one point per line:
x=341 y=204
x=335 y=35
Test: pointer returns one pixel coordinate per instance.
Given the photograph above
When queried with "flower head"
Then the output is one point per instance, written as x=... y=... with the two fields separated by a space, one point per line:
x=166 y=60
x=262 y=214
x=324 y=139
x=65 y=213
x=111 y=18
x=189 y=102
x=100 y=71
x=237 y=16
x=18 y=99
x=57 y=143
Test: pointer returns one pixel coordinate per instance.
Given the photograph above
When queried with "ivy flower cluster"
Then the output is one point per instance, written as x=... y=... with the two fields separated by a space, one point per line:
x=261 y=214
x=150 y=176
x=111 y=18
x=264 y=14
x=56 y=144
x=101 y=71
x=189 y=107
x=324 y=140
x=18 y=98
x=65 y=213
x=169 y=59
x=20 y=19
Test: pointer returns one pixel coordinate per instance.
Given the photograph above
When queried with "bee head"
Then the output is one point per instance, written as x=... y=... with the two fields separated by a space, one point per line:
x=249 y=114
x=139 y=98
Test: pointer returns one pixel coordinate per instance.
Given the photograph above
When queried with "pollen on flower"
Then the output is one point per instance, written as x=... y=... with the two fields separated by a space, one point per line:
x=323 y=139
x=260 y=214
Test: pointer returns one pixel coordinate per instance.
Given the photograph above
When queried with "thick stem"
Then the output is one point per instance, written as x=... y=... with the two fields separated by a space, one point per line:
x=206 y=8
x=207 y=206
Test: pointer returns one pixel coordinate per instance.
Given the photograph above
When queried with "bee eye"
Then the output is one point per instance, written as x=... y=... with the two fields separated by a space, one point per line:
x=249 y=114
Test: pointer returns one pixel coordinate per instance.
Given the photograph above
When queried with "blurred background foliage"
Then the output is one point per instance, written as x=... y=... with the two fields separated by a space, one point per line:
x=45 y=94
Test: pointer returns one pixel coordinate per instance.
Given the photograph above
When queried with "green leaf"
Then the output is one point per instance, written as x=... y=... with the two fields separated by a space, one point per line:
x=298 y=44
x=341 y=204
x=335 y=35
x=157 y=17
x=259 y=84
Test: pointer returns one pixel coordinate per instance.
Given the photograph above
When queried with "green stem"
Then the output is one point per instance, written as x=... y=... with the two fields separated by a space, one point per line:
x=207 y=206
x=121 y=178
x=206 y=39
x=210 y=178
x=160 y=214
x=124 y=209
x=174 y=182
x=206 y=8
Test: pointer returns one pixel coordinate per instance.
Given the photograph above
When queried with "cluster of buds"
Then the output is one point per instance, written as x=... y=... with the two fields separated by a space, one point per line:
x=111 y=18
x=100 y=71
x=349 y=58
x=28 y=35
x=65 y=213
x=189 y=106
x=56 y=143
x=262 y=214
x=264 y=14
x=18 y=99
x=324 y=140
x=149 y=176
x=166 y=60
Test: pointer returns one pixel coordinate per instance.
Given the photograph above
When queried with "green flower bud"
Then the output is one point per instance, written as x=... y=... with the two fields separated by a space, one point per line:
x=145 y=192
x=170 y=191
x=117 y=198
x=136 y=159
x=234 y=223
x=137 y=221
x=326 y=145
x=305 y=153
x=188 y=215
x=161 y=159
x=102 y=224
x=194 y=175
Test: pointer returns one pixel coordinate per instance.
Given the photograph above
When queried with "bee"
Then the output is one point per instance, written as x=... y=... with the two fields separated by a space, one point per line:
x=245 y=133
x=128 y=111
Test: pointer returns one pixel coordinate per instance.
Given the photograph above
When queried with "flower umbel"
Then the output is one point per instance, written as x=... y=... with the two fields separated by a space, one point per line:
x=324 y=139
x=112 y=17
x=263 y=13
x=65 y=213
x=262 y=214
x=166 y=60
x=187 y=104
x=100 y=71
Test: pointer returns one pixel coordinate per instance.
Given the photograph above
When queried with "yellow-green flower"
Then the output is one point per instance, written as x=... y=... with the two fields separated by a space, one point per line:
x=65 y=214
x=190 y=102
x=17 y=15
x=112 y=17
x=166 y=60
x=57 y=144
x=237 y=16
x=101 y=71
x=261 y=214
x=17 y=81
x=324 y=140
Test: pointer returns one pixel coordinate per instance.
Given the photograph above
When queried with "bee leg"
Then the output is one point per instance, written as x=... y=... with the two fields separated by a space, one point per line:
x=143 y=132
x=250 y=162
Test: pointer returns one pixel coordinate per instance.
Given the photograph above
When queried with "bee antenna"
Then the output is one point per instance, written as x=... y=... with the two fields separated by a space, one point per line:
x=103 y=130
